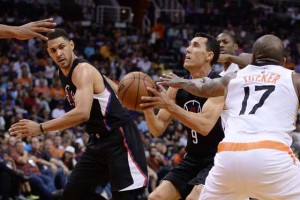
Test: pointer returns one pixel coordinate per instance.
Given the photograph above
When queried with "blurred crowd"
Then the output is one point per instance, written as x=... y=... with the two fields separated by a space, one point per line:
x=30 y=87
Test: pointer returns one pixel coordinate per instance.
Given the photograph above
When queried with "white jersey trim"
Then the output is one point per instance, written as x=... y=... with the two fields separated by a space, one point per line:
x=139 y=179
x=104 y=99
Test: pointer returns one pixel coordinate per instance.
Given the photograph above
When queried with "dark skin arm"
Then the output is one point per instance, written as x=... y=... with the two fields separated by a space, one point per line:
x=241 y=60
x=28 y=31
x=203 y=87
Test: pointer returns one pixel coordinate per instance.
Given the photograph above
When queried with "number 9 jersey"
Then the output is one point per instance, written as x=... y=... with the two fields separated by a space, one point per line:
x=199 y=146
x=267 y=99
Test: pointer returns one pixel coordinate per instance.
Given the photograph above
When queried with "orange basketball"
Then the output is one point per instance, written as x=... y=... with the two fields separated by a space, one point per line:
x=132 y=87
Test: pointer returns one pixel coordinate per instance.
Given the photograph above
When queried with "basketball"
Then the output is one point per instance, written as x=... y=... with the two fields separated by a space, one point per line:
x=132 y=87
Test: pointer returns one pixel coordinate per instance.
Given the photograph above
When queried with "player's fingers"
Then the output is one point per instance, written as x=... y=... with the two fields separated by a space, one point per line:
x=21 y=123
x=153 y=91
x=23 y=120
x=161 y=88
x=15 y=132
x=147 y=98
x=44 y=30
x=45 y=20
x=163 y=78
x=45 y=23
x=17 y=128
x=21 y=136
x=172 y=75
x=40 y=36
x=147 y=105
x=165 y=83
x=167 y=76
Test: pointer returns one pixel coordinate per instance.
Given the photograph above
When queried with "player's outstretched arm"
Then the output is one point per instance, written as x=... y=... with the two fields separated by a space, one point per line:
x=203 y=87
x=241 y=60
x=28 y=31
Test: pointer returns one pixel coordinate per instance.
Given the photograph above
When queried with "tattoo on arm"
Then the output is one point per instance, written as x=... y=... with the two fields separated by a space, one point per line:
x=204 y=87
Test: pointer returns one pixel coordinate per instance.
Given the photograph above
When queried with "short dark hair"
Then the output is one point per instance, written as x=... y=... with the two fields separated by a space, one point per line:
x=211 y=45
x=230 y=35
x=58 y=32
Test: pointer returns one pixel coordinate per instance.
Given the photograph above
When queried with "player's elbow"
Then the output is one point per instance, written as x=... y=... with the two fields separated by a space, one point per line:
x=156 y=133
x=205 y=130
x=156 y=127
x=83 y=116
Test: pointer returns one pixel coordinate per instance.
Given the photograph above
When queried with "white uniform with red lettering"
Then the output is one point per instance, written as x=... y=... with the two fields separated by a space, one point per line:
x=254 y=159
x=232 y=68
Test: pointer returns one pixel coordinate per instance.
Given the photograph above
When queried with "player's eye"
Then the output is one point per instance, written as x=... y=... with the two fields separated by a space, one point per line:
x=196 y=44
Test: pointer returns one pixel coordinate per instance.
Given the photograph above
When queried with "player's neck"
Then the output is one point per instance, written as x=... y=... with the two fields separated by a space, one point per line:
x=68 y=69
x=204 y=71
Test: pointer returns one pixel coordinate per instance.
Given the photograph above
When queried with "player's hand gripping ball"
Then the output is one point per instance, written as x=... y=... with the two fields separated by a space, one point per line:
x=132 y=87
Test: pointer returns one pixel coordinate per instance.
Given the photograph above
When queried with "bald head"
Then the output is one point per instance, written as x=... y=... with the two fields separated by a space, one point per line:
x=268 y=48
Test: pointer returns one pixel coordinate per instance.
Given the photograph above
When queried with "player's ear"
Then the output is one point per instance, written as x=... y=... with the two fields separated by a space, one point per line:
x=235 y=47
x=253 y=58
x=210 y=55
x=72 y=44
x=282 y=63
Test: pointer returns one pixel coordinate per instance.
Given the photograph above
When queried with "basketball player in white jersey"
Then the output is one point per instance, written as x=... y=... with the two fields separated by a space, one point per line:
x=232 y=61
x=254 y=159
x=229 y=46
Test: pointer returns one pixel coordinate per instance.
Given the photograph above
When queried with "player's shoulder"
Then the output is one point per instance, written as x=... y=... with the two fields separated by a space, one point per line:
x=85 y=70
x=84 y=64
x=85 y=67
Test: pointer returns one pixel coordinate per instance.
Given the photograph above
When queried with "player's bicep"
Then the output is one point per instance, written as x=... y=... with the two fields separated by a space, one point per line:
x=83 y=79
x=212 y=109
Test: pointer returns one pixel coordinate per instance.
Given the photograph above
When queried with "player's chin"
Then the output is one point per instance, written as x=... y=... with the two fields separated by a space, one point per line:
x=63 y=64
x=186 y=65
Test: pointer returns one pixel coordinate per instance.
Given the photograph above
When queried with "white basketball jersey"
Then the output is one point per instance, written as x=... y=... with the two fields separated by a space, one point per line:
x=261 y=101
x=232 y=68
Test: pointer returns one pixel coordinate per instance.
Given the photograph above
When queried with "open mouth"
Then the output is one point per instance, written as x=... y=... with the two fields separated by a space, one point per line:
x=61 y=60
